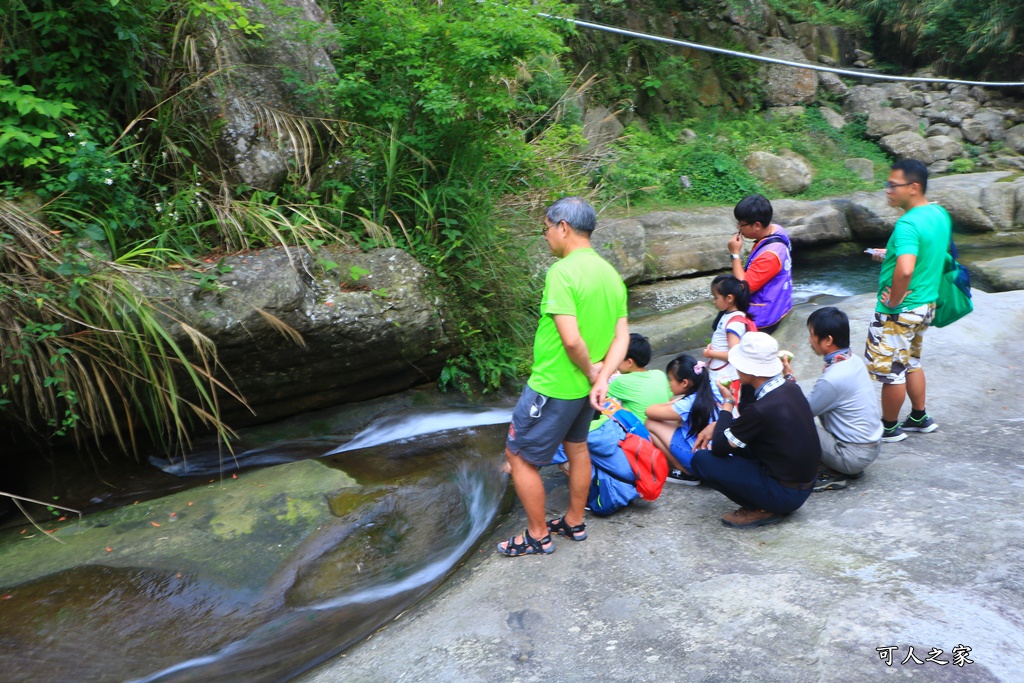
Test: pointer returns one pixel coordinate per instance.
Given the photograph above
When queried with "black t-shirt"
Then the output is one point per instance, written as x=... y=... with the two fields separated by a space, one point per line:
x=777 y=430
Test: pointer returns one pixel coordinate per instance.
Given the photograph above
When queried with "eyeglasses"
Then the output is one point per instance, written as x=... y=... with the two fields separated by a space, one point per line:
x=743 y=225
x=547 y=227
x=889 y=187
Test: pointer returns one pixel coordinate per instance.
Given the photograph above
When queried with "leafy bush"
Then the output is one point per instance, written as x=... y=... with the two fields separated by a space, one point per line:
x=970 y=36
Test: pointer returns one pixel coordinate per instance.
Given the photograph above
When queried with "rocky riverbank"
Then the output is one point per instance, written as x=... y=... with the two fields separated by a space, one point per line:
x=923 y=552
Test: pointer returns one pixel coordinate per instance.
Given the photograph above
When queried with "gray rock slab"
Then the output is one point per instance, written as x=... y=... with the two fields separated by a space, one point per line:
x=810 y=223
x=999 y=275
x=683 y=328
x=924 y=551
x=687 y=243
x=622 y=243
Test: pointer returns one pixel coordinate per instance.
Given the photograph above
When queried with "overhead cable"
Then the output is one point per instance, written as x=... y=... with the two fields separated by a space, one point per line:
x=773 y=60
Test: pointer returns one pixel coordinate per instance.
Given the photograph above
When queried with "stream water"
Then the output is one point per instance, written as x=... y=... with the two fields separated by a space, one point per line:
x=259 y=577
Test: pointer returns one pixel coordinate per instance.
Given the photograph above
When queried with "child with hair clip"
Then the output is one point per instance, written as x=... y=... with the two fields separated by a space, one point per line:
x=732 y=299
x=674 y=425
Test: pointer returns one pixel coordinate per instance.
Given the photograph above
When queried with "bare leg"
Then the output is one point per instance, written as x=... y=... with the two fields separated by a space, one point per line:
x=530 y=490
x=661 y=437
x=893 y=396
x=916 y=389
x=579 y=482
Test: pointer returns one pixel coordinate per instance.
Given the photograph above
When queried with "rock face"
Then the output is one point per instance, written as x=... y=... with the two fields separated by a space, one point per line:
x=369 y=327
x=252 y=102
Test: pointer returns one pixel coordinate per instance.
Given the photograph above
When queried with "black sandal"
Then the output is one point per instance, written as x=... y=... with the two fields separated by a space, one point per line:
x=529 y=546
x=558 y=526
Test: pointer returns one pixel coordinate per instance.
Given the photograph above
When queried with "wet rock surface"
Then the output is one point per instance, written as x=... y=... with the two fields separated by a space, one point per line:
x=921 y=552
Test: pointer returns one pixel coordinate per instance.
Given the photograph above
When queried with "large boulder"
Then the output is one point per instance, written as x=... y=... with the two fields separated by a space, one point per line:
x=368 y=324
x=790 y=174
x=901 y=96
x=999 y=202
x=787 y=85
x=952 y=113
x=907 y=145
x=864 y=99
x=868 y=214
x=886 y=121
x=964 y=207
x=831 y=83
x=249 y=93
x=944 y=147
x=986 y=125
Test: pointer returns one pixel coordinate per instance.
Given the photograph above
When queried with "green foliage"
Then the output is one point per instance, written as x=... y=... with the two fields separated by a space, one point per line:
x=971 y=36
x=821 y=12
x=649 y=166
x=962 y=165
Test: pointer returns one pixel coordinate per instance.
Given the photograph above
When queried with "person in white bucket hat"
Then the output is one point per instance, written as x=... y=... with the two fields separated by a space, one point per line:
x=765 y=459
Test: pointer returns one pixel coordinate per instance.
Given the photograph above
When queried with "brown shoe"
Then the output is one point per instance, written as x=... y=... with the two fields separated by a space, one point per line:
x=745 y=518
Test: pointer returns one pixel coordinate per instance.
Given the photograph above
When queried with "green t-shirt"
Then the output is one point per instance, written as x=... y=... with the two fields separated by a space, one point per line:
x=924 y=231
x=586 y=286
x=637 y=391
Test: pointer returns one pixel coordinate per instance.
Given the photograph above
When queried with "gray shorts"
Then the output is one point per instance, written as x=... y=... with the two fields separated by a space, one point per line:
x=848 y=458
x=540 y=424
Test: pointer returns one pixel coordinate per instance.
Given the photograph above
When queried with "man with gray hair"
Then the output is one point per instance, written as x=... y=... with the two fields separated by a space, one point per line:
x=581 y=339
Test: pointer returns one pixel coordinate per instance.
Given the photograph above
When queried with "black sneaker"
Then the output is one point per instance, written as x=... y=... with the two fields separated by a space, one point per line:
x=893 y=434
x=925 y=425
x=680 y=477
x=830 y=481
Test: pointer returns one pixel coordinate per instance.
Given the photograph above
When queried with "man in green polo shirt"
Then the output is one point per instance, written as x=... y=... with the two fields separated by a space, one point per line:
x=908 y=285
x=581 y=339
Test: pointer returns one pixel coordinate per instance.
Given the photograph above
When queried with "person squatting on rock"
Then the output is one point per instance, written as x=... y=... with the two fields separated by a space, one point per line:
x=581 y=338
x=674 y=425
x=765 y=459
x=843 y=400
x=908 y=285
x=768 y=270
x=732 y=299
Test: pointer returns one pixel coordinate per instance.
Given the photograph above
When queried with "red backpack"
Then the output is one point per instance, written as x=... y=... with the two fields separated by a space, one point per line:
x=649 y=465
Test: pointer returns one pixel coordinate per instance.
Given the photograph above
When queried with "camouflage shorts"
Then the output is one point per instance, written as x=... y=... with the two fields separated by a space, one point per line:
x=894 y=343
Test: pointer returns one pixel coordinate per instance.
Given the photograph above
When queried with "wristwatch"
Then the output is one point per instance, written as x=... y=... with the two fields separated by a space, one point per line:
x=734 y=256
